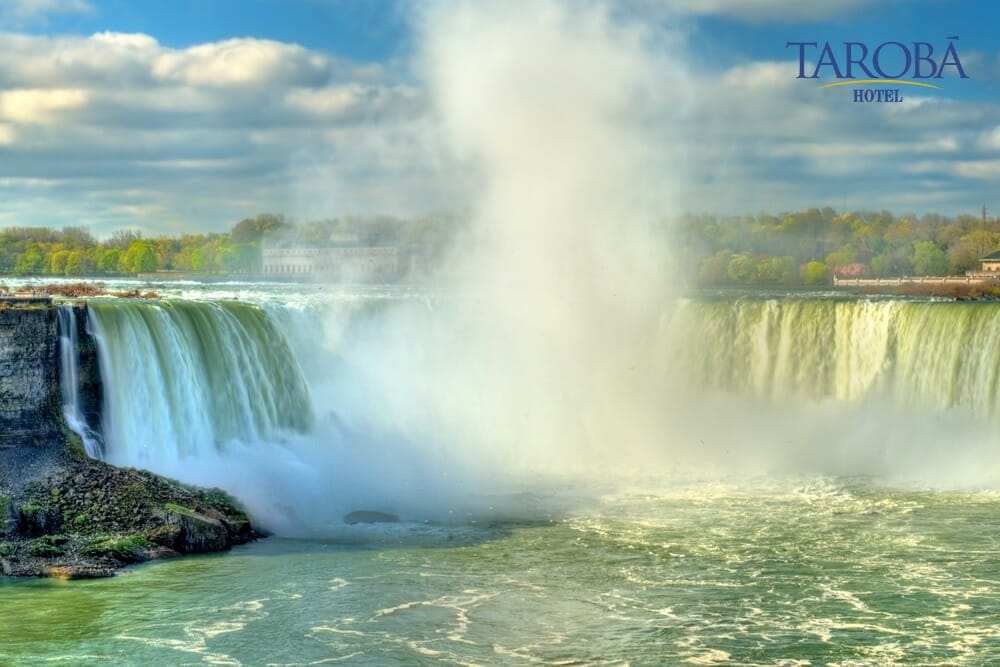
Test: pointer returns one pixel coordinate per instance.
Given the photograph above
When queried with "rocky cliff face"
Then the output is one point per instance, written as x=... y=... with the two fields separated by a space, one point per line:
x=30 y=412
x=29 y=375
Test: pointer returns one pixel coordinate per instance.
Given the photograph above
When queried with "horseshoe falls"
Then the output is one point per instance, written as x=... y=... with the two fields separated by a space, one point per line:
x=186 y=379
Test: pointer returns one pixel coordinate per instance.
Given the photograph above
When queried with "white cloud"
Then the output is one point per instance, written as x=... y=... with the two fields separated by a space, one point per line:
x=39 y=105
x=243 y=62
x=119 y=130
x=21 y=12
x=988 y=170
x=771 y=10
x=216 y=131
x=991 y=140
x=760 y=75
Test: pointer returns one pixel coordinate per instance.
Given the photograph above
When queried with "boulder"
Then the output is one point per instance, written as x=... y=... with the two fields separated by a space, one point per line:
x=198 y=533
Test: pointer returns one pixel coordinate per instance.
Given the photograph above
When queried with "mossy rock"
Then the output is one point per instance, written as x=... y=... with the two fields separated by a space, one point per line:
x=126 y=548
x=34 y=520
x=8 y=521
x=47 y=546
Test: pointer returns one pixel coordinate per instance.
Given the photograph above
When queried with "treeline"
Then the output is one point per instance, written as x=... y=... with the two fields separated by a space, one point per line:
x=74 y=251
x=809 y=247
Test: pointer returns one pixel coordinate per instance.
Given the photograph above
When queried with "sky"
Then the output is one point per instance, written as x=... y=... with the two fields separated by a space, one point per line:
x=176 y=116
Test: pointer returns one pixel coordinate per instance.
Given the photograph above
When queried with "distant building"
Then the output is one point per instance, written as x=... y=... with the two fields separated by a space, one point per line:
x=351 y=263
x=991 y=262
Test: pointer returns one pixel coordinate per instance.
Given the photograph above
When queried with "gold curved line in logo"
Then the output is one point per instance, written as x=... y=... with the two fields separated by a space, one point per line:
x=900 y=81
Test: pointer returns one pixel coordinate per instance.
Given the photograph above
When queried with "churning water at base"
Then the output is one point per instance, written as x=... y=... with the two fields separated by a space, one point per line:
x=183 y=379
x=804 y=572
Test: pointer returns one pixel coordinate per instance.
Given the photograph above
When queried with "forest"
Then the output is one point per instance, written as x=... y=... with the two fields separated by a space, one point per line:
x=75 y=252
x=810 y=247
x=800 y=248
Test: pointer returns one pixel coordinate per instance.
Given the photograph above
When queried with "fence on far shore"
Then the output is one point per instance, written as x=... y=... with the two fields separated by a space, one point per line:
x=971 y=278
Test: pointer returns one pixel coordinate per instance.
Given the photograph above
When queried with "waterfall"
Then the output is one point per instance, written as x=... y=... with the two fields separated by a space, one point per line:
x=185 y=378
x=69 y=382
x=931 y=355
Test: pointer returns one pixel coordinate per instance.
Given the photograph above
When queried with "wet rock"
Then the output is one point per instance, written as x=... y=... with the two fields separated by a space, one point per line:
x=198 y=533
x=67 y=572
x=369 y=516
x=36 y=520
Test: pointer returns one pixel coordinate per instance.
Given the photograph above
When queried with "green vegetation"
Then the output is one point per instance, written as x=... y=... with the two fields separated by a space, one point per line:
x=799 y=248
x=47 y=546
x=809 y=247
x=179 y=509
x=74 y=251
x=123 y=547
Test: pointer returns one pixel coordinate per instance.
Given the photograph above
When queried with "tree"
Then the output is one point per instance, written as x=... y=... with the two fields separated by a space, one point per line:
x=139 y=258
x=714 y=269
x=929 y=259
x=742 y=269
x=814 y=273
x=124 y=238
x=77 y=237
x=77 y=264
x=252 y=230
x=842 y=256
x=57 y=263
x=776 y=271
x=29 y=262
x=108 y=260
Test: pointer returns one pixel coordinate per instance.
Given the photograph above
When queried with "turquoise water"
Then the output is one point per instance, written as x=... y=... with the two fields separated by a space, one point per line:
x=807 y=571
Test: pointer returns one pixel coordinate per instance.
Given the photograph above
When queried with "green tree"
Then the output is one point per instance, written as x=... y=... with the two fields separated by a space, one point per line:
x=29 y=262
x=742 y=269
x=714 y=269
x=108 y=261
x=929 y=259
x=77 y=264
x=814 y=273
x=842 y=256
x=57 y=263
x=776 y=271
x=139 y=258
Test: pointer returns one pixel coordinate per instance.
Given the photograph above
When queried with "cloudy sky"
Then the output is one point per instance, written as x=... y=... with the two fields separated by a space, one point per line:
x=186 y=115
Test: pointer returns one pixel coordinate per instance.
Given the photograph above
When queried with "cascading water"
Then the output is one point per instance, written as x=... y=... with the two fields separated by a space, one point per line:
x=925 y=355
x=69 y=381
x=184 y=378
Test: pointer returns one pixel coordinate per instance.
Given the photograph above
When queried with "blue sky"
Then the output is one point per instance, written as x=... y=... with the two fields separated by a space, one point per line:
x=181 y=115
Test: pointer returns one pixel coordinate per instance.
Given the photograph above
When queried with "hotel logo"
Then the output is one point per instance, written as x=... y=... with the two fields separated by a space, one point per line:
x=879 y=72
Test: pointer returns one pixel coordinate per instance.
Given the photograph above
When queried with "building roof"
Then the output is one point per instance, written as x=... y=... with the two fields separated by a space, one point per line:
x=992 y=257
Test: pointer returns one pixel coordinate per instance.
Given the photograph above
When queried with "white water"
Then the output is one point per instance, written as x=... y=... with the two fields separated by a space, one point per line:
x=902 y=391
x=186 y=380
x=69 y=382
